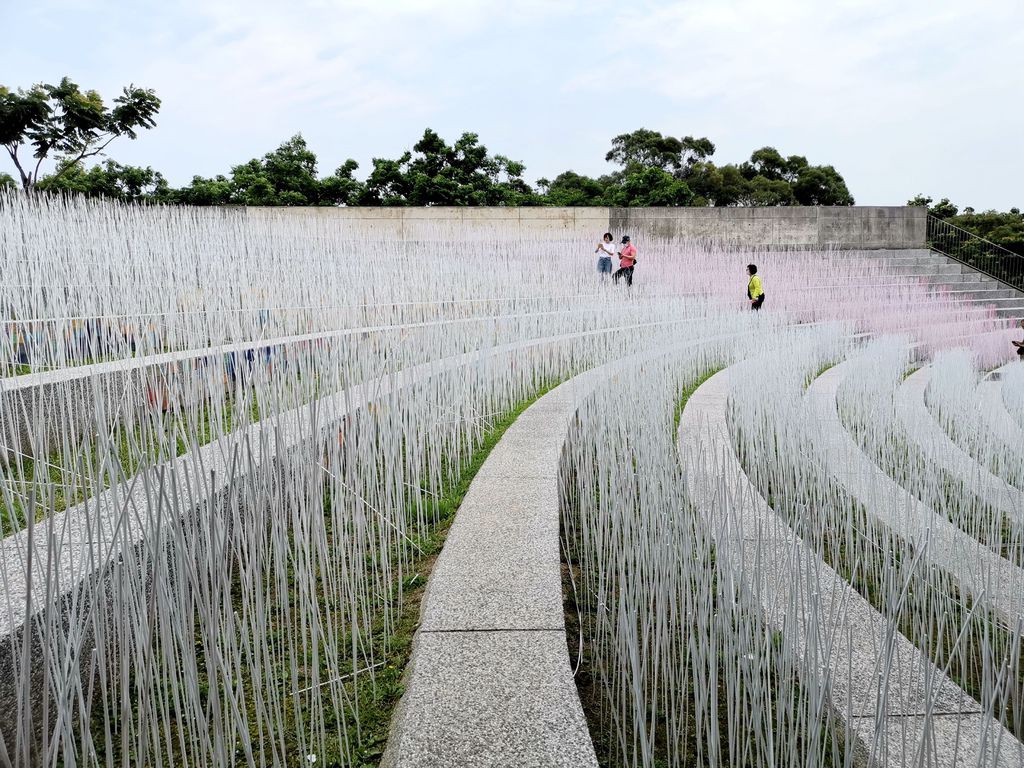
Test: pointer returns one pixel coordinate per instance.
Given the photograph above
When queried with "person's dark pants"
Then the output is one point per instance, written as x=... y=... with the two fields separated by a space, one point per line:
x=626 y=272
x=756 y=303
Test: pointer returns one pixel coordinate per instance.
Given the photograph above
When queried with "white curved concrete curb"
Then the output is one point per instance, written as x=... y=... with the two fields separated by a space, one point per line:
x=992 y=581
x=921 y=428
x=897 y=719
x=994 y=413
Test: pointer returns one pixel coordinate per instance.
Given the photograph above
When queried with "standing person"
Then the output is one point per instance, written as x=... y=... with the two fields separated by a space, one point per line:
x=627 y=260
x=605 y=251
x=1020 y=344
x=755 y=292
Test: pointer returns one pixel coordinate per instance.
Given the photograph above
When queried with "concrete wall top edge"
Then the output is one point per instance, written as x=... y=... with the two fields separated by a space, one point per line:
x=824 y=226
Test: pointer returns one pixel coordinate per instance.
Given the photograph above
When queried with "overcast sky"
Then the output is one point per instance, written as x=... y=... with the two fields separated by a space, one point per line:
x=901 y=96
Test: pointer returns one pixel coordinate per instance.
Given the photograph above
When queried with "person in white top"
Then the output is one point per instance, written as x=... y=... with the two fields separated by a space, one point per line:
x=605 y=251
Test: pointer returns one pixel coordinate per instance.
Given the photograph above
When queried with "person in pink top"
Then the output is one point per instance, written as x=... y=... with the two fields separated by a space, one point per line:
x=627 y=260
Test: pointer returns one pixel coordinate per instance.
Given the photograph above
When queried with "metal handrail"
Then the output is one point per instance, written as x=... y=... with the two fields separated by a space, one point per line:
x=980 y=254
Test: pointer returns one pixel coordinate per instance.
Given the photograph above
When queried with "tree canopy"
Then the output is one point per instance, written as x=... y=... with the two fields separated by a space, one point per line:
x=653 y=170
x=663 y=170
x=67 y=124
x=112 y=180
x=649 y=168
x=1005 y=229
x=436 y=173
x=284 y=176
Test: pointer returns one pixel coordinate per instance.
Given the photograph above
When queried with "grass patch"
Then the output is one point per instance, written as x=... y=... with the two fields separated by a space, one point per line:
x=687 y=392
x=809 y=379
x=368 y=664
x=72 y=474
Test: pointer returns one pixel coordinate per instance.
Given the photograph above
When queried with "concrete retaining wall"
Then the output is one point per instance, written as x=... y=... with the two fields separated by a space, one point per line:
x=797 y=227
x=445 y=222
x=818 y=227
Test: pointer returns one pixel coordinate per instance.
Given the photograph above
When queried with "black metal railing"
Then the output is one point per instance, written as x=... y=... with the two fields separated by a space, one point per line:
x=985 y=256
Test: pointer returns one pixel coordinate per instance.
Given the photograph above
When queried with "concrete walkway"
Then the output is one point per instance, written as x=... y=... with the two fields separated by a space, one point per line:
x=897 y=707
x=993 y=582
x=489 y=683
x=920 y=428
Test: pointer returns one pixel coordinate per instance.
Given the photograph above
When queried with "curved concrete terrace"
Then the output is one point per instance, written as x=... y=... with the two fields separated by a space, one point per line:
x=90 y=538
x=31 y=395
x=897 y=708
x=994 y=413
x=921 y=428
x=69 y=392
x=991 y=580
x=1012 y=377
x=489 y=681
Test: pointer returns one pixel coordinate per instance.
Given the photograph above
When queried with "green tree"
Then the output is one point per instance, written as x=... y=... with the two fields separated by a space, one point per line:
x=65 y=122
x=288 y=176
x=762 y=191
x=642 y=186
x=112 y=180
x=573 y=189
x=767 y=163
x=647 y=149
x=1003 y=229
x=436 y=173
x=696 y=150
x=341 y=187
x=733 y=186
x=387 y=183
x=203 y=191
x=285 y=176
x=941 y=210
x=7 y=181
x=719 y=186
x=944 y=209
x=767 y=178
x=821 y=185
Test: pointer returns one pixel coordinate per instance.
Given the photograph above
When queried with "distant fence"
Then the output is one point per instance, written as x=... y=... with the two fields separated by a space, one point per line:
x=977 y=252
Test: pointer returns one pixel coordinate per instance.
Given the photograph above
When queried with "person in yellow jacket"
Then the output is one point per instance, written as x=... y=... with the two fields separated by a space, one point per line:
x=755 y=292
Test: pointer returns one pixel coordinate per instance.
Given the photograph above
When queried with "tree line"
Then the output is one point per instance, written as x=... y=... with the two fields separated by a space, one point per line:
x=69 y=126
x=65 y=126
x=1005 y=229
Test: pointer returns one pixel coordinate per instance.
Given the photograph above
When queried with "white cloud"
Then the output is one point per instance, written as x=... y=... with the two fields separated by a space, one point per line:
x=888 y=92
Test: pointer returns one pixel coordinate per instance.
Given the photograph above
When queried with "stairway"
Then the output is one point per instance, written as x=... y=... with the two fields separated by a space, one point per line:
x=955 y=279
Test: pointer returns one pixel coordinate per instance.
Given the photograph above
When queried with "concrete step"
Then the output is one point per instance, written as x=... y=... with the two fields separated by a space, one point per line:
x=951 y=277
x=981 y=292
x=937 y=268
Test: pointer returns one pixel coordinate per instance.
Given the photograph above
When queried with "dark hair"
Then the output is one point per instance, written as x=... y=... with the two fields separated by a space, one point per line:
x=752 y=269
x=608 y=235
